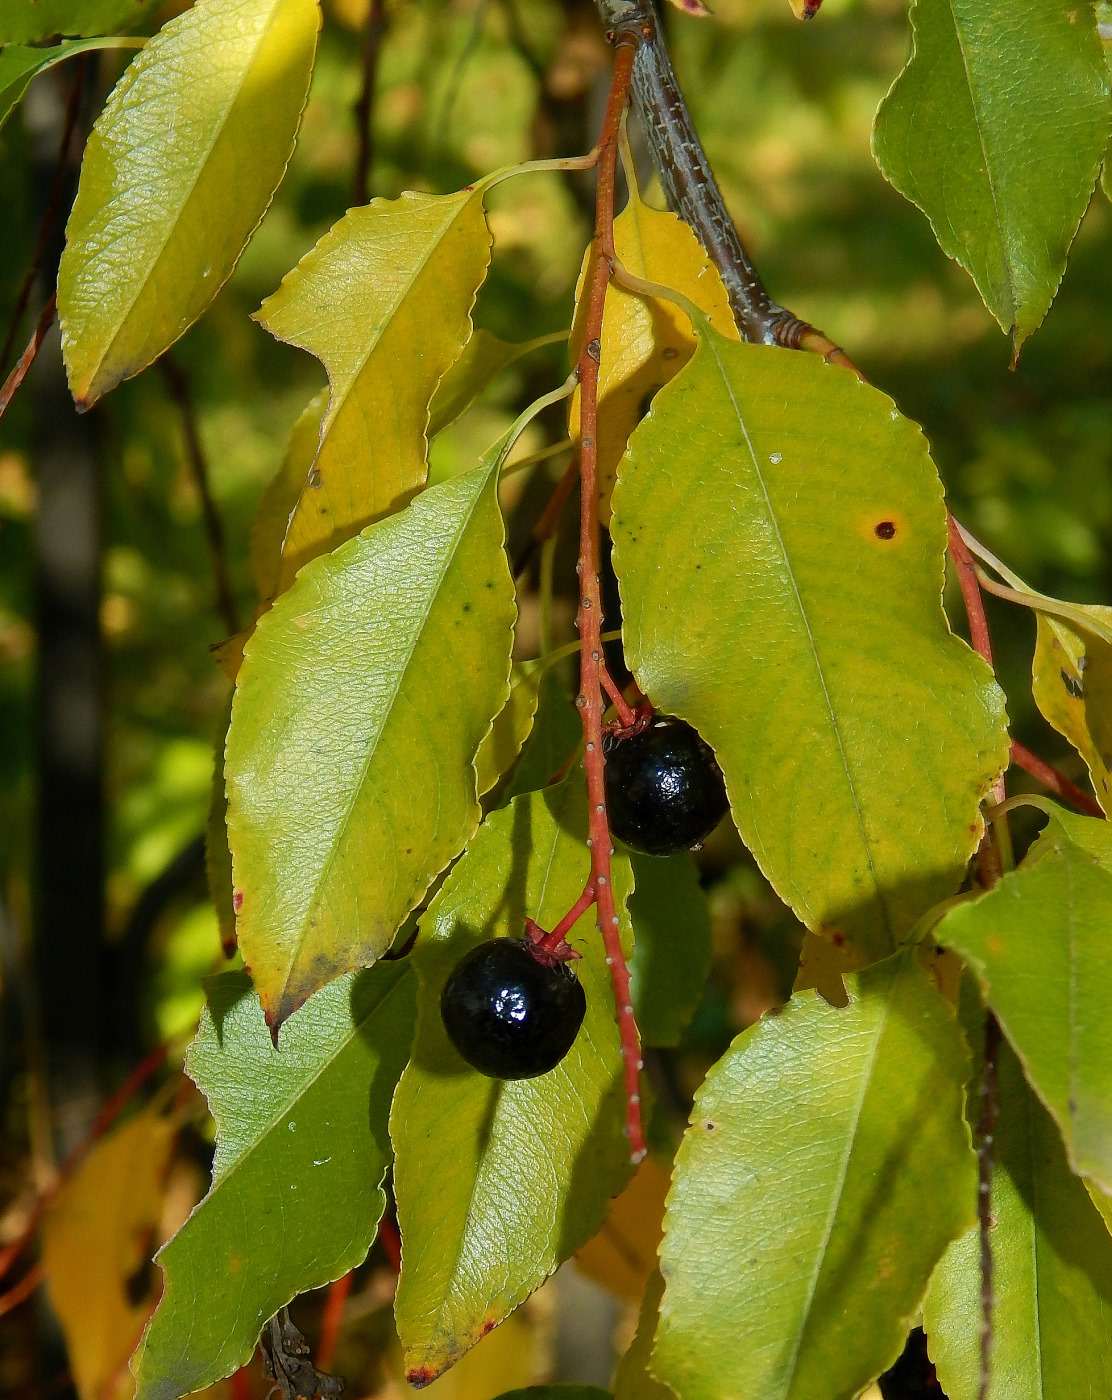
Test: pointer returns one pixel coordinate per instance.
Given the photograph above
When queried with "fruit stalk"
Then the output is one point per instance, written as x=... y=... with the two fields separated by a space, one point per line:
x=591 y=666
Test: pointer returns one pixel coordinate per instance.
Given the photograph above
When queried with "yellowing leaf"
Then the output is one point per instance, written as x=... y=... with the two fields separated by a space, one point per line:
x=384 y=301
x=779 y=534
x=484 y=357
x=1071 y=680
x=179 y=169
x=822 y=965
x=645 y=343
x=349 y=764
x=511 y=726
x=272 y=518
x=97 y=1240
x=622 y=1256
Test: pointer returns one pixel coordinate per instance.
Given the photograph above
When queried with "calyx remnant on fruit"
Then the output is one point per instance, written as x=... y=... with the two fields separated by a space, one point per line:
x=508 y=1013
x=664 y=788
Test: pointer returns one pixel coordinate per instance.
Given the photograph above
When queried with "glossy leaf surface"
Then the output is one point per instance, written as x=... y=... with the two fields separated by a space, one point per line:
x=671 y=953
x=778 y=539
x=645 y=343
x=996 y=129
x=179 y=169
x=1040 y=943
x=405 y=271
x=826 y=1168
x=301 y=1152
x=350 y=758
x=1071 y=680
x=497 y=1182
x=1052 y=1267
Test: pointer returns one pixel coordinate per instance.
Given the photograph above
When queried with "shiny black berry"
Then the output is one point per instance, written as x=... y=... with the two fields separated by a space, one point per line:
x=507 y=1014
x=664 y=788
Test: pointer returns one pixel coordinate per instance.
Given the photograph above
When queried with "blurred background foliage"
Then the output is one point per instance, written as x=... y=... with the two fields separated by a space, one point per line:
x=785 y=112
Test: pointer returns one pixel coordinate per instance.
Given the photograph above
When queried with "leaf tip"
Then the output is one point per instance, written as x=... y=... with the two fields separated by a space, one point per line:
x=420 y=1377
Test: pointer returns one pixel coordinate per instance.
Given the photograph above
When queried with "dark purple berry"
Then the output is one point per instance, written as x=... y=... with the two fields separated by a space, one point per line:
x=664 y=788
x=507 y=1014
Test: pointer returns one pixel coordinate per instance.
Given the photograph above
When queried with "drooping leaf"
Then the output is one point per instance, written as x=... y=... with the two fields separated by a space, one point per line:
x=633 y=1380
x=177 y=173
x=778 y=539
x=1052 y=1266
x=350 y=759
x=301 y=1152
x=996 y=129
x=1039 y=943
x=19 y=64
x=272 y=518
x=557 y=731
x=826 y=1168
x=497 y=1182
x=671 y=952
x=644 y=343
x=30 y=21
x=483 y=358
x=96 y=1240
x=511 y=725
x=622 y=1256
x=1071 y=680
x=384 y=301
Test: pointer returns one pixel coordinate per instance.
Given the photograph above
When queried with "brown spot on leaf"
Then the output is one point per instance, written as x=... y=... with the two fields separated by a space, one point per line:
x=237 y=900
x=885 y=529
x=421 y=1377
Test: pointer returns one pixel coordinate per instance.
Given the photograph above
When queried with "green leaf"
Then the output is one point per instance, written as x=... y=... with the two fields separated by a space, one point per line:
x=1052 y=1267
x=497 y=1182
x=563 y=1391
x=29 y=21
x=671 y=952
x=384 y=301
x=557 y=732
x=484 y=357
x=996 y=129
x=18 y=65
x=1038 y=943
x=281 y=496
x=826 y=1168
x=218 y=858
x=779 y=534
x=177 y=173
x=301 y=1152
x=350 y=758
x=1071 y=680
x=633 y=1379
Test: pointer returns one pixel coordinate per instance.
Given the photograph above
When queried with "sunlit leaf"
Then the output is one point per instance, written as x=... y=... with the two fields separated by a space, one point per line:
x=272 y=518
x=622 y=1256
x=497 y=1182
x=28 y=21
x=645 y=343
x=384 y=301
x=179 y=169
x=96 y=1242
x=350 y=758
x=671 y=954
x=1071 y=680
x=1040 y=943
x=484 y=357
x=826 y=1168
x=301 y=1152
x=996 y=129
x=778 y=539
x=1052 y=1267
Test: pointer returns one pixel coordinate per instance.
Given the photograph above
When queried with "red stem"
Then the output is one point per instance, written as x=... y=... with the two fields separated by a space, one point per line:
x=391 y=1242
x=330 y=1321
x=591 y=669
x=626 y=715
x=1057 y=782
x=570 y=919
x=21 y=1291
x=970 y=591
x=27 y=359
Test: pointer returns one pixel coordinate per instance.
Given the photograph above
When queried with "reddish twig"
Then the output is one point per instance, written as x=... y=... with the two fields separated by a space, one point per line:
x=364 y=108
x=1057 y=782
x=177 y=382
x=27 y=359
x=21 y=1291
x=970 y=591
x=589 y=700
x=50 y=213
x=986 y=1131
x=391 y=1242
x=103 y=1121
x=330 y=1321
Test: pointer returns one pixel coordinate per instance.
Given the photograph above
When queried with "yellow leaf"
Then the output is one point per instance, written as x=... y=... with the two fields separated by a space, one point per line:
x=511 y=726
x=1071 y=680
x=97 y=1239
x=279 y=499
x=622 y=1256
x=821 y=965
x=384 y=301
x=645 y=343
x=177 y=173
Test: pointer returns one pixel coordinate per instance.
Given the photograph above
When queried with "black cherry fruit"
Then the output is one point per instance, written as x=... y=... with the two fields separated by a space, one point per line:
x=664 y=788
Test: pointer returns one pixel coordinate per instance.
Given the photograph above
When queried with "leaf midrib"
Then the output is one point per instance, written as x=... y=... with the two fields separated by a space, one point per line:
x=708 y=339
x=202 y=164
